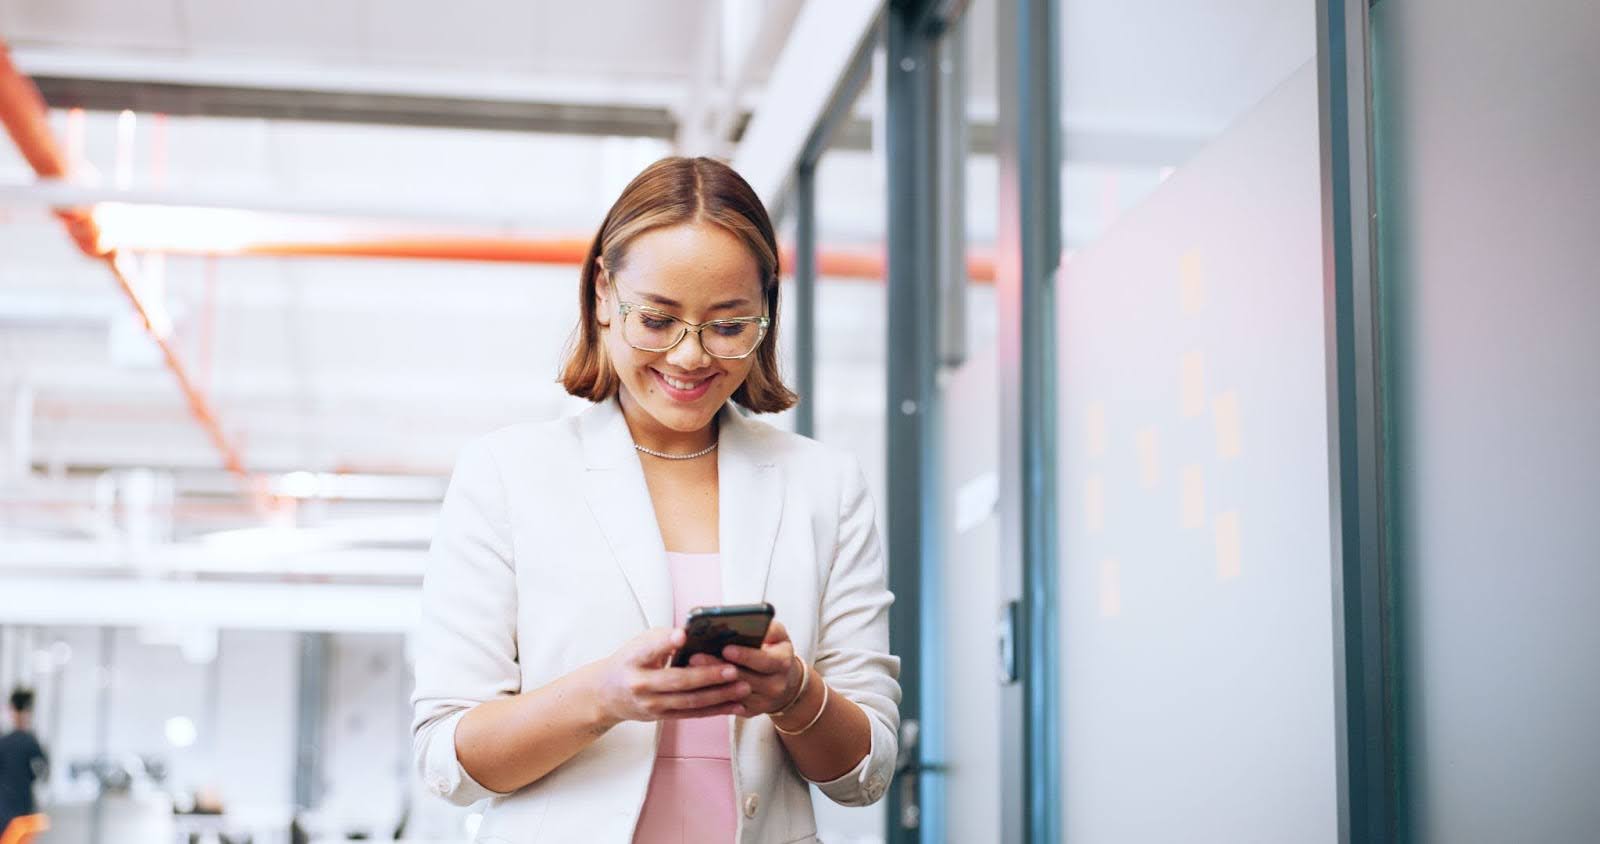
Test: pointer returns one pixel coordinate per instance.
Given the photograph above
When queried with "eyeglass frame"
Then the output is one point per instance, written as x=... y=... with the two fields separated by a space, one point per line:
x=761 y=322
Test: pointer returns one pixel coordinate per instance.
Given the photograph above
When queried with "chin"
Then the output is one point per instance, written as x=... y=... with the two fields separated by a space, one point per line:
x=684 y=417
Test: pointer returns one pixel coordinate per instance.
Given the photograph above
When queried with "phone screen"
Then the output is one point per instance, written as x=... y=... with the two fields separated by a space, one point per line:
x=710 y=629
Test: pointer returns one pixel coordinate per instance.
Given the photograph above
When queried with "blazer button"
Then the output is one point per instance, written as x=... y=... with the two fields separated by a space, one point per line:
x=752 y=802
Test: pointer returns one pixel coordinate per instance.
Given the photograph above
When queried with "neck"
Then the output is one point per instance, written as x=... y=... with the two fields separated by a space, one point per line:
x=22 y=723
x=650 y=433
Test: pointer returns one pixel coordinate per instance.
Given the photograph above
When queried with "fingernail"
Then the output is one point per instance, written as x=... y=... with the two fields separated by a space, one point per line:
x=729 y=673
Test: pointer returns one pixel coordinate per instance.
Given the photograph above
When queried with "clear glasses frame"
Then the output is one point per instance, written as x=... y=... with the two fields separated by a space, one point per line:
x=685 y=326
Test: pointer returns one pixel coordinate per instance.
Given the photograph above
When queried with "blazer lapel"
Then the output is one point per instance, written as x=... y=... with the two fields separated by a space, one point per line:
x=613 y=484
x=750 y=496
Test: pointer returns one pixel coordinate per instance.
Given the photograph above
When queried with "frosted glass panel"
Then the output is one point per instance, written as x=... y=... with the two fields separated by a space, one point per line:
x=1488 y=120
x=1196 y=611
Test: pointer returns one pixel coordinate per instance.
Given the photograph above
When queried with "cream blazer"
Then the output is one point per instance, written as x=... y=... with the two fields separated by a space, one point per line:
x=548 y=556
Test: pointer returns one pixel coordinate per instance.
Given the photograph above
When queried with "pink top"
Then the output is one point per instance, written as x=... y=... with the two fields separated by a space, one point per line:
x=691 y=788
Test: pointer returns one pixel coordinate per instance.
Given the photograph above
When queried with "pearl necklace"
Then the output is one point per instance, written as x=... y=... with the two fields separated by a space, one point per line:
x=665 y=456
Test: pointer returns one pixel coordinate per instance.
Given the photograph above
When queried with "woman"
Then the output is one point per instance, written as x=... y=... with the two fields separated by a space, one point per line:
x=567 y=554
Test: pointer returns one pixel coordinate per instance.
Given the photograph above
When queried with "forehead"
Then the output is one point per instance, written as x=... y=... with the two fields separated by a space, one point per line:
x=694 y=264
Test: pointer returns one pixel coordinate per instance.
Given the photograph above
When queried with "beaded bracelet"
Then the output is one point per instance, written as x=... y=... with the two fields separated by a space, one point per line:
x=814 y=719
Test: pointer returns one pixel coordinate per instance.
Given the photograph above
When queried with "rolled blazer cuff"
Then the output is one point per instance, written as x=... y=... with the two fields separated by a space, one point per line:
x=441 y=769
x=867 y=782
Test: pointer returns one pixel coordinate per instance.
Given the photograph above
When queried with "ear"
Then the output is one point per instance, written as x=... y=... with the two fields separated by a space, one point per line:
x=602 y=294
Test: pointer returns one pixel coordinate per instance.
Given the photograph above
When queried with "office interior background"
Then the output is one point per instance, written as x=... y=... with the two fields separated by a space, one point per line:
x=1225 y=372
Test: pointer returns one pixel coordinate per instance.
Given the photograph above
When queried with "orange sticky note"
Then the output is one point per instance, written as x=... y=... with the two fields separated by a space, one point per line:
x=1094 y=503
x=1191 y=282
x=1225 y=414
x=1095 y=428
x=1148 y=442
x=1192 y=504
x=1110 y=588
x=1192 y=382
x=1228 y=550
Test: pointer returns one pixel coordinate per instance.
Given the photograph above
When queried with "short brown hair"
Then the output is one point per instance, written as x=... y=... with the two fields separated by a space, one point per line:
x=671 y=192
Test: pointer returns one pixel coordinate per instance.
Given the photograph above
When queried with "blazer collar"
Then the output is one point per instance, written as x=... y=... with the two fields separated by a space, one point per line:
x=750 y=504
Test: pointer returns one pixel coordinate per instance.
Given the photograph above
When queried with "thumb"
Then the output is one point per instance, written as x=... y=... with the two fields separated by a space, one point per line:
x=654 y=646
x=776 y=633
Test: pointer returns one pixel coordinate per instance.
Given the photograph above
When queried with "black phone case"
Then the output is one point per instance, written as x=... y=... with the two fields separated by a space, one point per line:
x=710 y=629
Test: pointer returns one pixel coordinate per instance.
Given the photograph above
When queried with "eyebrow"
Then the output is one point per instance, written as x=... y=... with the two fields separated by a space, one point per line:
x=673 y=303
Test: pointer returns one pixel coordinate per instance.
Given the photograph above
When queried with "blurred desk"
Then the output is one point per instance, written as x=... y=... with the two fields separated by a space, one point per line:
x=124 y=820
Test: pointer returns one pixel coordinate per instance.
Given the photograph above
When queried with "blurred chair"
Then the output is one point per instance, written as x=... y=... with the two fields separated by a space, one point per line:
x=24 y=829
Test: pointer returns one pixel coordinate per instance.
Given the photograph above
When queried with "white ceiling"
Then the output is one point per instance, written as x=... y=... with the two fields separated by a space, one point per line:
x=610 y=38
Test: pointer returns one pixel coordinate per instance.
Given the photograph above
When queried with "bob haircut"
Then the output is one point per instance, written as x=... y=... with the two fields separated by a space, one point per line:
x=670 y=192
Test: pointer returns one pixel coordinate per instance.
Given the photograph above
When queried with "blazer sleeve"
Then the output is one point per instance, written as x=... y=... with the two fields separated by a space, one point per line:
x=852 y=652
x=466 y=646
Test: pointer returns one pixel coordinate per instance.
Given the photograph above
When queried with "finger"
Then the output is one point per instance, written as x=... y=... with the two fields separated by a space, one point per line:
x=776 y=633
x=706 y=659
x=689 y=679
x=768 y=685
x=675 y=701
x=756 y=659
x=654 y=646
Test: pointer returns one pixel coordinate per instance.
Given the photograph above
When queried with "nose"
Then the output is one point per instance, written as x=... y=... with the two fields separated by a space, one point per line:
x=689 y=355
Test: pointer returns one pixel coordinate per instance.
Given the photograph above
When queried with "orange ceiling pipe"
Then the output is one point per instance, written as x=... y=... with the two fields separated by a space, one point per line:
x=23 y=113
x=25 y=117
x=832 y=263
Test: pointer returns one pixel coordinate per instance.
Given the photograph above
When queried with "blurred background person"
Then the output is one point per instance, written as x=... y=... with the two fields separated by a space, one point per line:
x=22 y=761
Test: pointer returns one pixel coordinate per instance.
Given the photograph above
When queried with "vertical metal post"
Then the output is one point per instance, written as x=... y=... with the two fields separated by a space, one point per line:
x=805 y=296
x=912 y=436
x=1364 y=669
x=951 y=208
x=311 y=700
x=106 y=676
x=57 y=678
x=213 y=707
x=1029 y=252
x=804 y=197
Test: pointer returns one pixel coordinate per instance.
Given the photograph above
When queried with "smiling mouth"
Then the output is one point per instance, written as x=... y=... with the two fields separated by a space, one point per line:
x=684 y=389
x=679 y=384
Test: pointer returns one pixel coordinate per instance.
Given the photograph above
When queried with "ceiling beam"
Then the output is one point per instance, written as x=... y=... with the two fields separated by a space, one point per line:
x=814 y=63
x=694 y=130
x=729 y=116
x=309 y=104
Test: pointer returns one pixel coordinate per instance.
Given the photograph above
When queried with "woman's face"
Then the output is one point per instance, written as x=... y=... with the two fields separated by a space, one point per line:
x=696 y=272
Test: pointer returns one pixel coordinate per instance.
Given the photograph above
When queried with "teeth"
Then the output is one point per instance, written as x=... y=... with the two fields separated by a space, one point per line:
x=679 y=385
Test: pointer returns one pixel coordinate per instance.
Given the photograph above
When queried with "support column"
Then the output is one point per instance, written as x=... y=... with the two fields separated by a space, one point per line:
x=1028 y=256
x=913 y=480
x=805 y=297
x=310 y=706
x=1365 y=704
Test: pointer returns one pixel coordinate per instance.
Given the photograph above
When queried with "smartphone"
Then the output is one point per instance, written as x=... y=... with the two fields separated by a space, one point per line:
x=710 y=629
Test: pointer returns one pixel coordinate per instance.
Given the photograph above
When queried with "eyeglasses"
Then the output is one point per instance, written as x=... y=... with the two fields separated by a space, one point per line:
x=650 y=330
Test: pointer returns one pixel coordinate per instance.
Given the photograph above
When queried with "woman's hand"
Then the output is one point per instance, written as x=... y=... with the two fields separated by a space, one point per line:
x=771 y=671
x=636 y=684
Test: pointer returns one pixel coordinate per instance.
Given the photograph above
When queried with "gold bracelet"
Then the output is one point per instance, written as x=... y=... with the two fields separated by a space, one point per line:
x=814 y=720
x=805 y=676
